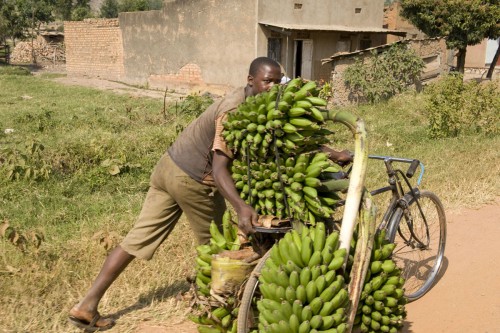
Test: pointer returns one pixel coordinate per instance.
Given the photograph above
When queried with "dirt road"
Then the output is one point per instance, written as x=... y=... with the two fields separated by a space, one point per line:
x=467 y=297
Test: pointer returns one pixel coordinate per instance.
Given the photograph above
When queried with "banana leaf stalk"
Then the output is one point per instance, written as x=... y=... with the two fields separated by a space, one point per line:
x=364 y=246
x=358 y=173
x=352 y=208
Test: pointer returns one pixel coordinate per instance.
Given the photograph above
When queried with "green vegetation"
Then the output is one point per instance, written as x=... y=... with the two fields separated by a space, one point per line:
x=383 y=75
x=100 y=148
x=111 y=8
x=455 y=107
x=461 y=22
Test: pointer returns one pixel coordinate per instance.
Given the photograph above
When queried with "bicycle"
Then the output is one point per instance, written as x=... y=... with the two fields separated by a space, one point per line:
x=411 y=220
x=414 y=220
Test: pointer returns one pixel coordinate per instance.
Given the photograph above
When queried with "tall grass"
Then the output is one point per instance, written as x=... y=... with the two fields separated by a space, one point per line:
x=82 y=210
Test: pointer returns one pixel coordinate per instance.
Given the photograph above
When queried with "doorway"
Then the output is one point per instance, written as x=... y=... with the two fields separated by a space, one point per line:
x=302 y=58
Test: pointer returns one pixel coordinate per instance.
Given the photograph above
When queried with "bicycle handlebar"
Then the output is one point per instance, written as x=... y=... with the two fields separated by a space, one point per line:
x=414 y=163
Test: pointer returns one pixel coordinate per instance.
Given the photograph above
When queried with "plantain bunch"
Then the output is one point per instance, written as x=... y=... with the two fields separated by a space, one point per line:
x=295 y=186
x=215 y=318
x=381 y=307
x=301 y=286
x=279 y=168
x=288 y=117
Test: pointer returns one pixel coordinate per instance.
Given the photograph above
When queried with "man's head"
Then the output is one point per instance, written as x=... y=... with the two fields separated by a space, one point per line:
x=264 y=72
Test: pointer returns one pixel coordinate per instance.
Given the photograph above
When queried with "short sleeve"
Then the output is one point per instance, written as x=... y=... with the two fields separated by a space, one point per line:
x=219 y=142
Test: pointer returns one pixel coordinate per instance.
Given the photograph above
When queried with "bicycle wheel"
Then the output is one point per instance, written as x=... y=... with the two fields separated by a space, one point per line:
x=248 y=314
x=419 y=254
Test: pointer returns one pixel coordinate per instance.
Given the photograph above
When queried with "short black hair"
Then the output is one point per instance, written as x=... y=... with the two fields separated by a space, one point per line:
x=259 y=62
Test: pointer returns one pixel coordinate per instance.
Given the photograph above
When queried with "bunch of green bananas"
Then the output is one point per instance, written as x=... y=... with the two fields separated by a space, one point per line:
x=279 y=168
x=301 y=286
x=381 y=307
x=221 y=319
x=216 y=319
x=296 y=181
x=287 y=116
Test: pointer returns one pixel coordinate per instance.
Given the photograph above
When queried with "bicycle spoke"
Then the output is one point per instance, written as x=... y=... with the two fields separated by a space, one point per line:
x=419 y=243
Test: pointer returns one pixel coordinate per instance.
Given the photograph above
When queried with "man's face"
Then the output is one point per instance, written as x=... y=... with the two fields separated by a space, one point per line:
x=266 y=77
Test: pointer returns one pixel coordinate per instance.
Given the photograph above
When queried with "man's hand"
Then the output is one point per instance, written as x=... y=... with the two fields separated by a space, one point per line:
x=344 y=157
x=247 y=218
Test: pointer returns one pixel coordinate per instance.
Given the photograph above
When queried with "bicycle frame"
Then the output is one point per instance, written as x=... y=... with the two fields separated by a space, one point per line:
x=401 y=198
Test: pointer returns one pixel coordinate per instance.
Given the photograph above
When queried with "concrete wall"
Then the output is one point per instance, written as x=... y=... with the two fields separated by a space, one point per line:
x=195 y=43
x=94 y=48
x=212 y=42
x=323 y=12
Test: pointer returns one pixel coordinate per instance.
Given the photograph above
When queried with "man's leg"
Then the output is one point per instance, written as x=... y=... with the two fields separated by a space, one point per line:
x=158 y=217
x=114 y=264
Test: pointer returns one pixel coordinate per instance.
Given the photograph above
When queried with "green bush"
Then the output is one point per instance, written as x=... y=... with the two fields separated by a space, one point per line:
x=14 y=70
x=454 y=107
x=383 y=75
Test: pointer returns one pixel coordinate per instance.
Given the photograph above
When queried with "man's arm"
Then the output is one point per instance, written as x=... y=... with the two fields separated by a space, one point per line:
x=247 y=216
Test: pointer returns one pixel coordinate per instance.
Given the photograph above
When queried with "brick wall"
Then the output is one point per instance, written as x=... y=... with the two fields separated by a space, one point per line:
x=188 y=76
x=94 y=47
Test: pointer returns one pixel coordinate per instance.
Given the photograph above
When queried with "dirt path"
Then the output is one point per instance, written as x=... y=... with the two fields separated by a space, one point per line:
x=467 y=295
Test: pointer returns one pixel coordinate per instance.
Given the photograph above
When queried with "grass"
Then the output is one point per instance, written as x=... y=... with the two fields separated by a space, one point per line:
x=81 y=211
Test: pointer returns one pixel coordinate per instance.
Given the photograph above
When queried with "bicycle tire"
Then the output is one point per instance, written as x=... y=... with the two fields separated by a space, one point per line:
x=246 y=311
x=419 y=267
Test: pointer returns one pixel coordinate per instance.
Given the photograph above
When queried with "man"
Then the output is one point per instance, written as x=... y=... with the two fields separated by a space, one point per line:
x=193 y=178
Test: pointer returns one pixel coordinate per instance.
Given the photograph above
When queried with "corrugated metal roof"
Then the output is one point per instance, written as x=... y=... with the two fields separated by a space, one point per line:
x=327 y=27
x=341 y=55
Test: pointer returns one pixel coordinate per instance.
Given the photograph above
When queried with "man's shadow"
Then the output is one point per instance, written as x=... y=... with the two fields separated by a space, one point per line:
x=179 y=286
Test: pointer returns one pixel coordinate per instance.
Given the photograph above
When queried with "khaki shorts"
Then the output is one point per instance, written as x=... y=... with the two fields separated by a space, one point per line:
x=171 y=193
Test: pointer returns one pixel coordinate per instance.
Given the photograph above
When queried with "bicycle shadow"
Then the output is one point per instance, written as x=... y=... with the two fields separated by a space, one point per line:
x=444 y=267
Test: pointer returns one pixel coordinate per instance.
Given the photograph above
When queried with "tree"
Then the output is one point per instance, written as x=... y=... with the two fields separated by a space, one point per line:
x=461 y=22
x=11 y=22
x=34 y=13
x=109 y=9
x=133 y=5
x=62 y=10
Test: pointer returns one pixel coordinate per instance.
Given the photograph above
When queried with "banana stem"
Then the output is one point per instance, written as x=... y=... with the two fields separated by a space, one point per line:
x=364 y=246
x=352 y=207
x=358 y=173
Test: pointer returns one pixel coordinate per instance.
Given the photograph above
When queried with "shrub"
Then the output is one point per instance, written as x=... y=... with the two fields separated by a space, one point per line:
x=383 y=75
x=14 y=70
x=454 y=107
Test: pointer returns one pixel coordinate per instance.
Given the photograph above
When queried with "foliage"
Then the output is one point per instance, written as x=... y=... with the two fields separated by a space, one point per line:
x=456 y=108
x=21 y=18
x=80 y=13
x=384 y=75
x=14 y=70
x=461 y=22
x=111 y=8
x=194 y=104
x=25 y=164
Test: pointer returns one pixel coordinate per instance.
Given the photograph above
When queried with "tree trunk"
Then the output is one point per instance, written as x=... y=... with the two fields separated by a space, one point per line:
x=461 y=60
x=493 y=63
